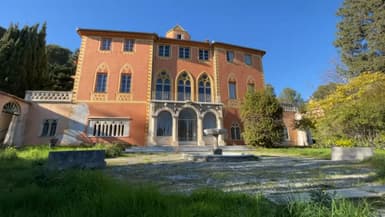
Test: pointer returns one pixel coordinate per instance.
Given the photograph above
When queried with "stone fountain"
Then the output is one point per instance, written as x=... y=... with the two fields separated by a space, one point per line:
x=215 y=132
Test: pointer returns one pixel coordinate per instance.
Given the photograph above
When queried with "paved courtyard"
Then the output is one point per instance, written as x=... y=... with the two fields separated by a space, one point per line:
x=274 y=177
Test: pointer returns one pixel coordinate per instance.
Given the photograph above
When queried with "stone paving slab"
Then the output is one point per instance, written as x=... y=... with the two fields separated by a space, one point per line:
x=346 y=193
x=268 y=175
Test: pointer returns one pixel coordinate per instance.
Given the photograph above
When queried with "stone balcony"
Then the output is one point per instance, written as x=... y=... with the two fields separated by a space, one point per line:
x=48 y=96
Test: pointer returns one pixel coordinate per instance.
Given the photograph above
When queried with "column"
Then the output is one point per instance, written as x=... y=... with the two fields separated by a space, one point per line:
x=221 y=140
x=201 y=142
x=175 y=130
x=151 y=130
x=151 y=126
x=10 y=136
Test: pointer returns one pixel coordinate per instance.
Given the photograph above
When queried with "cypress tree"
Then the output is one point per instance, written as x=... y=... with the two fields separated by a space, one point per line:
x=23 y=61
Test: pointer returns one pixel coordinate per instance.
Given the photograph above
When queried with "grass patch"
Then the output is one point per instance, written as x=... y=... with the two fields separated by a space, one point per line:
x=378 y=162
x=318 y=153
x=27 y=189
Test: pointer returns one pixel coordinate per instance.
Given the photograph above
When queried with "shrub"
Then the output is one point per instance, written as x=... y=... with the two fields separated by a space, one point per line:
x=344 y=142
x=112 y=150
x=9 y=153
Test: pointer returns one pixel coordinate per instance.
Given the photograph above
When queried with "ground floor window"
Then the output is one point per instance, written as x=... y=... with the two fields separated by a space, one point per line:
x=235 y=131
x=49 y=127
x=164 y=124
x=108 y=127
x=209 y=121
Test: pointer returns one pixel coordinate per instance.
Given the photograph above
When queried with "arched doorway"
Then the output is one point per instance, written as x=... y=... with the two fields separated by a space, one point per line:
x=9 y=111
x=187 y=125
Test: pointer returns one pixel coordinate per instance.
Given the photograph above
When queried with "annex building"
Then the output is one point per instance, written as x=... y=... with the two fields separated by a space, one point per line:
x=144 y=89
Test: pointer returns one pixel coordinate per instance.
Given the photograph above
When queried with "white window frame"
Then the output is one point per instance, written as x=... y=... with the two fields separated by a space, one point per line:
x=203 y=54
x=50 y=124
x=230 y=58
x=105 y=44
x=162 y=50
x=108 y=127
x=128 y=45
x=247 y=59
x=184 y=52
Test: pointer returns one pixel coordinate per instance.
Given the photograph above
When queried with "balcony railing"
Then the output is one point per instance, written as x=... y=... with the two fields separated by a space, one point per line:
x=48 y=96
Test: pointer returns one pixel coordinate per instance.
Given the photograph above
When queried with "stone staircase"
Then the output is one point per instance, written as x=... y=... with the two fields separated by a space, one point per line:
x=184 y=149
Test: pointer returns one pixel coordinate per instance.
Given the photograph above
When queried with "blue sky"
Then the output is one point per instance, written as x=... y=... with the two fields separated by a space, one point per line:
x=297 y=35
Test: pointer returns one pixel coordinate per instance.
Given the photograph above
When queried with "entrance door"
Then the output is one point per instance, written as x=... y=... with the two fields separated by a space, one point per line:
x=187 y=125
x=9 y=110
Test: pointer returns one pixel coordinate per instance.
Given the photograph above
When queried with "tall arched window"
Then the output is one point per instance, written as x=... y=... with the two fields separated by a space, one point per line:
x=204 y=89
x=286 y=136
x=101 y=78
x=164 y=124
x=184 y=87
x=209 y=121
x=235 y=132
x=163 y=87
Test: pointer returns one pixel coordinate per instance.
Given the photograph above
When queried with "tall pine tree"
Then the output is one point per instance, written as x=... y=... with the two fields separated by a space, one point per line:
x=23 y=59
x=361 y=36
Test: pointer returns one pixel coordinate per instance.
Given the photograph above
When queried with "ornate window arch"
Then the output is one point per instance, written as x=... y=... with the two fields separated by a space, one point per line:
x=163 y=86
x=125 y=79
x=101 y=78
x=250 y=85
x=235 y=131
x=12 y=108
x=204 y=88
x=232 y=87
x=184 y=86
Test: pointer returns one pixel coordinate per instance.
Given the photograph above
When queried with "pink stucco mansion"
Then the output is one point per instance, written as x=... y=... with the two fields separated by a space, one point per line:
x=144 y=89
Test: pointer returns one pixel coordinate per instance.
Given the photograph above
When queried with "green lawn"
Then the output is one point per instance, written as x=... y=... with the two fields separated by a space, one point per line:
x=27 y=189
x=319 y=153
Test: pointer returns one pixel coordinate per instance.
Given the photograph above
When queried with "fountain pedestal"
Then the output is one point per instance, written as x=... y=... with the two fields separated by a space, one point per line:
x=215 y=132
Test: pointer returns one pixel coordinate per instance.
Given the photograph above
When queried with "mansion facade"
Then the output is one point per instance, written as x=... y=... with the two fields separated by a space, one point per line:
x=143 y=89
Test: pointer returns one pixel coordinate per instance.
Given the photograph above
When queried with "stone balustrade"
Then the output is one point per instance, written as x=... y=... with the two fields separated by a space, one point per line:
x=48 y=96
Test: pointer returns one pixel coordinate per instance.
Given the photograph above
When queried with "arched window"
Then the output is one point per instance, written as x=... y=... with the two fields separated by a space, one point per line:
x=286 y=134
x=235 y=132
x=209 y=121
x=164 y=124
x=11 y=108
x=184 y=87
x=163 y=87
x=232 y=89
x=204 y=89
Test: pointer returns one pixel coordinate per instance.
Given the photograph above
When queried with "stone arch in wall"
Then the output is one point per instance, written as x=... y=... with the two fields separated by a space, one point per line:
x=8 y=120
x=164 y=123
x=187 y=125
